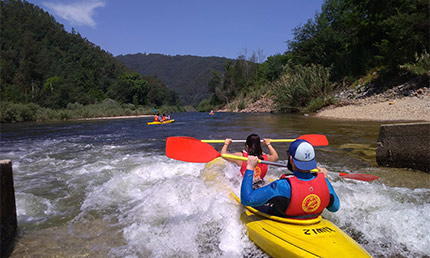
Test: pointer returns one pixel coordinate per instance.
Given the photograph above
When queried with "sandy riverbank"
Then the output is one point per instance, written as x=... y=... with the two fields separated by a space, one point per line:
x=404 y=109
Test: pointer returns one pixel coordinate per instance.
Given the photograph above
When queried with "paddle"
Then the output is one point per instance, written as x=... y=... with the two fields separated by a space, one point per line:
x=193 y=150
x=314 y=139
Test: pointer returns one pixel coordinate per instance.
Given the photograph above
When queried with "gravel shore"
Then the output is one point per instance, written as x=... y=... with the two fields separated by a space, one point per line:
x=404 y=109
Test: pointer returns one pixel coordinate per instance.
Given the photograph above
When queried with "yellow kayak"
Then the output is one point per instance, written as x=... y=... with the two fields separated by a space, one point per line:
x=283 y=237
x=160 y=123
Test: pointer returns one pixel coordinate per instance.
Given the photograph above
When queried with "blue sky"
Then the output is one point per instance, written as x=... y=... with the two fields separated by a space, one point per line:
x=224 y=28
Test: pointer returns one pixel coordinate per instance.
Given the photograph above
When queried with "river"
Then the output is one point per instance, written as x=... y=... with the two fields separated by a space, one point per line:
x=105 y=188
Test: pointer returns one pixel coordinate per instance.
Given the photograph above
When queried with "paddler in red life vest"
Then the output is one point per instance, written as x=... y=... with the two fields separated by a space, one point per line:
x=253 y=147
x=164 y=118
x=304 y=195
x=156 y=118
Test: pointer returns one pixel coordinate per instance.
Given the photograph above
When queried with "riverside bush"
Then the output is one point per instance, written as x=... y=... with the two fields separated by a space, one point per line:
x=302 y=88
x=421 y=65
x=13 y=112
x=205 y=106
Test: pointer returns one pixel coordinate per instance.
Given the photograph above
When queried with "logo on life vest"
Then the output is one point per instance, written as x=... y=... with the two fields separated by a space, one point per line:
x=311 y=203
x=257 y=172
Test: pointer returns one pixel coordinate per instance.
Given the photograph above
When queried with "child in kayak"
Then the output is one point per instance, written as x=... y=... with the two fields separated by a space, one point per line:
x=302 y=196
x=253 y=147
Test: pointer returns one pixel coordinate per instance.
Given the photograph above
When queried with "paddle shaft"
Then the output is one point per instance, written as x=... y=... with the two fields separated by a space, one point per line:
x=271 y=140
x=230 y=156
x=361 y=177
x=314 y=139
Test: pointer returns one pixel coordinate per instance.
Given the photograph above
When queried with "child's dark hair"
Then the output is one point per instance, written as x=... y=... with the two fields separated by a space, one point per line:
x=289 y=166
x=254 y=146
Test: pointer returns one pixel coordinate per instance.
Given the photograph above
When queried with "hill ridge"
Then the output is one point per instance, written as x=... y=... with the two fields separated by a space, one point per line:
x=188 y=75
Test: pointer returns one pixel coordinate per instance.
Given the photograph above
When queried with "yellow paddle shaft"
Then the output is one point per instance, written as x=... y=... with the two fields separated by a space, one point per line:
x=230 y=156
x=271 y=140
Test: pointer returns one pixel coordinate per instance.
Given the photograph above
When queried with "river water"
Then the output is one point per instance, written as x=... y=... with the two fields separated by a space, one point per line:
x=105 y=188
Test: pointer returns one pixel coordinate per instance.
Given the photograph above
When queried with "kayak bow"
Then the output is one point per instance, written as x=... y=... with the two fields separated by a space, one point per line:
x=283 y=237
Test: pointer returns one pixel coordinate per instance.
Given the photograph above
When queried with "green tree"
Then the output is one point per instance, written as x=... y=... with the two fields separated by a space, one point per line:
x=353 y=36
x=272 y=68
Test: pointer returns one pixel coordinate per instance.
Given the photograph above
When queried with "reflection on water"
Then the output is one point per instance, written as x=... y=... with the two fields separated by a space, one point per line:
x=106 y=188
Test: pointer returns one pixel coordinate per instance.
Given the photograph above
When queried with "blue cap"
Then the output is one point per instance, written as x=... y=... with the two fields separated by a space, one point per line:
x=303 y=154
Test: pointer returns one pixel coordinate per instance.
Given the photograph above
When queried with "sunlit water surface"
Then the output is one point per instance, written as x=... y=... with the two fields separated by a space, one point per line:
x=107 y=189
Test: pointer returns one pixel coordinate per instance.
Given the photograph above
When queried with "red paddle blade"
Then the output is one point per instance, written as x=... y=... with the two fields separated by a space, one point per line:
x=315 y=139
x=190 y=150
x=361 y=177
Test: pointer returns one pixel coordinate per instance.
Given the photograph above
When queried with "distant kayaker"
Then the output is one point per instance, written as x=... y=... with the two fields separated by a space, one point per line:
x=253 y=147
x=302 y=196
x=157 y=118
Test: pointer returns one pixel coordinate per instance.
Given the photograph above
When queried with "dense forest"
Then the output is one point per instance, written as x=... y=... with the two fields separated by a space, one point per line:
x=45 y=68
x=187 y=75
x=350 y=42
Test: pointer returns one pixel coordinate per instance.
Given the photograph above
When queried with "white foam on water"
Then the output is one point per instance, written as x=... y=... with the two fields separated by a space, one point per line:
x=32 y=208
x=166 y=208
x=388 y=221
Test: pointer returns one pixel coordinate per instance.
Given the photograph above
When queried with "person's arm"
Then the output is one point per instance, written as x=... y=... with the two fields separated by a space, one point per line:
x=273 y=154
x=257 y=197
x=334 y=204
x=224 y=150
x=227 y=143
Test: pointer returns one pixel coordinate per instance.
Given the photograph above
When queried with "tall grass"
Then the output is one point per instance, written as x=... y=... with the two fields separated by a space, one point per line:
x=302 y=89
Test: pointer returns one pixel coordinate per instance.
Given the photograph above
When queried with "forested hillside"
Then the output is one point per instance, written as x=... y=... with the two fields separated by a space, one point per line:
x=44 y=65
x=364 y=44
x=187 y=75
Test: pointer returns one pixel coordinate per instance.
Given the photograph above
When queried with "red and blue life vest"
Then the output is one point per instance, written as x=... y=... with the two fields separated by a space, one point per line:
x=308 y=198
x=259 y=171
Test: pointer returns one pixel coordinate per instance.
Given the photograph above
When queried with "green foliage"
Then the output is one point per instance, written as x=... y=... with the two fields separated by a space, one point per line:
x=354 y=37
x=318 y=103
x=421 y=66
x=272 y=68
x=41 y=63
x=51 y=83
x=302 y=88
x=242 y=104
x=204 y=106
x=130 y=88
x=238 y=77
x=11 y=112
